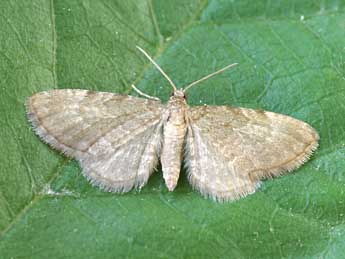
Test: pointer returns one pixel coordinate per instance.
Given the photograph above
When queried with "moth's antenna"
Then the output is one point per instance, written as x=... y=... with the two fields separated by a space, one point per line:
x=158 y=67
x=208 y=76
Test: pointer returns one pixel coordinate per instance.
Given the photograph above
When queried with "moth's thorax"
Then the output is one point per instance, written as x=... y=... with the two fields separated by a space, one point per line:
x=174 y=131
x=177 y=107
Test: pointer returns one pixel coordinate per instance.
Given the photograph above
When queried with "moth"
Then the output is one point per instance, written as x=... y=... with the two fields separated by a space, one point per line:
x=119 y=139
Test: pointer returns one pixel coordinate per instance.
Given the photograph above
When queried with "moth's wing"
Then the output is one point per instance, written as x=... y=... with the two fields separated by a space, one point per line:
x=115 y=138
x=230 y=149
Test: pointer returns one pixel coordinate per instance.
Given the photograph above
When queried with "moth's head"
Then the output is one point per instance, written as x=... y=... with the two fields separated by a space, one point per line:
x=178 y=94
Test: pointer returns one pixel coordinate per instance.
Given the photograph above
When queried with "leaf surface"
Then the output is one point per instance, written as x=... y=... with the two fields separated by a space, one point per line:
x=291 y=56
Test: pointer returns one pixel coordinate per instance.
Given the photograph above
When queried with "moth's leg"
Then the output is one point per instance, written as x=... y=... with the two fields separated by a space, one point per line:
x=145 y=95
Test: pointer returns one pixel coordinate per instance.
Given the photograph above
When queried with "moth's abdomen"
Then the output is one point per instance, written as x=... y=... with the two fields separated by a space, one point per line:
x=171 y=156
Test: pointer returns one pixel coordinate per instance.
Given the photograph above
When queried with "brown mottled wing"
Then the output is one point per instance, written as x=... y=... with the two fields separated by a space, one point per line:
x=115 y=138
x=230 y=149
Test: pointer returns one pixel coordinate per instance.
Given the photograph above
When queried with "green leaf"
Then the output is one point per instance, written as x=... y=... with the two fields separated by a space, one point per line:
x=291 y=56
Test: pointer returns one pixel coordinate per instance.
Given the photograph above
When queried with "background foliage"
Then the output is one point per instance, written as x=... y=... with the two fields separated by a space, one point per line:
x=291 y=56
